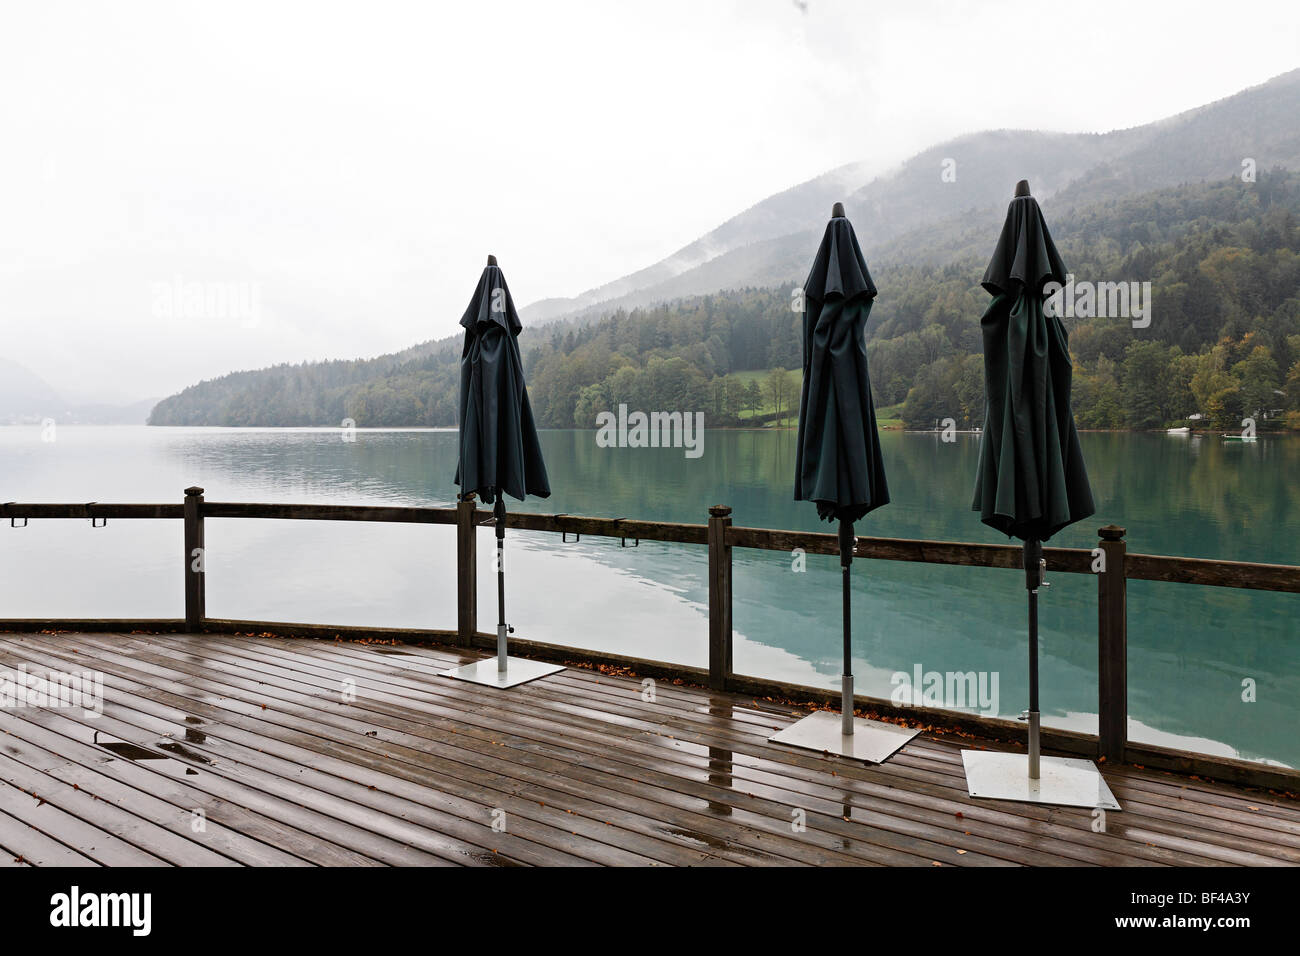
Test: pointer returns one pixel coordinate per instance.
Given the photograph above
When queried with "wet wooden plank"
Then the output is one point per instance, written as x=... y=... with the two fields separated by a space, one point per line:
x=778 y=827
x=166 y=801
x=86 y=836
x=365 y=847
x=312 y=712
x=249 y=760
x=601 y=744
x=283 y=807
x=1210 y=851
x=1212 y=821
x=25 y=842
x=136 y=826
x=688 y=828
x=600 y=747
x=586 y=770
x=304 y=756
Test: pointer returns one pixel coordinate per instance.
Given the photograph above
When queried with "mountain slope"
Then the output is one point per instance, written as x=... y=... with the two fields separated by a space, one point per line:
x=24 y=395
x=1069 y=169
x=926 y=237
x=766 y=220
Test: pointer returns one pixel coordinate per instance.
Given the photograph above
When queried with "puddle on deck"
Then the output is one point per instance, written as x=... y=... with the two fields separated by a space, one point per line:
x=156 y=759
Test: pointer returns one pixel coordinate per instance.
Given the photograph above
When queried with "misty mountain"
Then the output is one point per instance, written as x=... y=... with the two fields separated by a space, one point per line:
x=767 y=220
x=100 y=413
x=27 y=399
x=940 y=210
x=24 y=395
x=898 y=214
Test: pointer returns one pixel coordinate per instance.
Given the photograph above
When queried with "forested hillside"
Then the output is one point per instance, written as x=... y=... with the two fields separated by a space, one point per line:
x=1223 y=260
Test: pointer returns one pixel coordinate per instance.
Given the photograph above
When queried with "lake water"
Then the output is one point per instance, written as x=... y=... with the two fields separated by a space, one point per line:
x=1192 y=650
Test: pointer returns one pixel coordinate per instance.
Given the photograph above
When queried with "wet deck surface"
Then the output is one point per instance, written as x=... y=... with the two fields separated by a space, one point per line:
x=221 y=750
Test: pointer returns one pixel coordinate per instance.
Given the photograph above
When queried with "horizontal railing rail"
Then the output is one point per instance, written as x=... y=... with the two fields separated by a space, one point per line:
x=387 y=513
x=91 y=509
x=1213 y=573
x=1072 y=560
x=1110 y=562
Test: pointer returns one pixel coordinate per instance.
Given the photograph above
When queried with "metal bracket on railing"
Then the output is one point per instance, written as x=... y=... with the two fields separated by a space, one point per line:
x=13 y=522
x=564 y=535
x=622 y=541
x=95 y=522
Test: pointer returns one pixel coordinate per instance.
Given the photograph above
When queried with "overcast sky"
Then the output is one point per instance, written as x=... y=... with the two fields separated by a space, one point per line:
x=346 y=167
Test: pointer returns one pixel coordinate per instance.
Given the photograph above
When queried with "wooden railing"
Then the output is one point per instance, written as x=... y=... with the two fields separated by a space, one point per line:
x=1110 y=562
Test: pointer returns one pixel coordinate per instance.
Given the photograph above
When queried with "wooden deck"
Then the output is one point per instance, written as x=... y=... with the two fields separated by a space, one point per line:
x=227 y=750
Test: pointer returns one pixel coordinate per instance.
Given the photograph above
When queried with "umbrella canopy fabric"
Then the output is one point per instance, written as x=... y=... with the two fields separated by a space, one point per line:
x=1031 y=481
x=499 y=450
x=837 y=456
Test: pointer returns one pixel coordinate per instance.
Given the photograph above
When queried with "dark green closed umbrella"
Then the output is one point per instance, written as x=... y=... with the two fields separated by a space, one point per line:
x=499 y=450
x=1031 y=481
x=837 y=455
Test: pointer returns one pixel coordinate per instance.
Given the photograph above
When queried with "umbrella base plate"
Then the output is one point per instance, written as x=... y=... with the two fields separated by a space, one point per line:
x=1062 y=781
x=518 y=670
x=871 y=740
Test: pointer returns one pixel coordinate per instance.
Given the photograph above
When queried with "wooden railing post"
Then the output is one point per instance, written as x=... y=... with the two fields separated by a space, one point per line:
x=719 y=598
x=1112 y=646
x=466 y=572
x=195 y=561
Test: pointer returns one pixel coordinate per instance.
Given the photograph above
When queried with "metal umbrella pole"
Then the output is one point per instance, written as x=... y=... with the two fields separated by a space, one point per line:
x=1034 y=567
x=871 y=740
x=502 y=670
x=1031 y=778
x=846 y=677
x=499 y=512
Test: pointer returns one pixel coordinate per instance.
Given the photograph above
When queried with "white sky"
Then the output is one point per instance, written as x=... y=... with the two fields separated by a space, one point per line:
x=357 y=161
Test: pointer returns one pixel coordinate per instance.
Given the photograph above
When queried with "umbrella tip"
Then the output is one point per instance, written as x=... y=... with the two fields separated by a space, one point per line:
x=492 y=260
x=1022 y=188
x=837 y=211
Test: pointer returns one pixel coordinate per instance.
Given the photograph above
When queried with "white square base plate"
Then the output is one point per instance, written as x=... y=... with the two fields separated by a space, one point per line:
x=519 y=670
x=871 y=740
x=1062 y=782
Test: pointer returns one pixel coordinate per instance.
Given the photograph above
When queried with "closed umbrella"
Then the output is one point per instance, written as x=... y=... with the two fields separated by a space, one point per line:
x=1031 y=481
x=499 y=450
x=837 y=458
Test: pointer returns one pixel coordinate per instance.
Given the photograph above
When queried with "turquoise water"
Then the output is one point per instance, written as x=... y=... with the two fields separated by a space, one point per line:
x=1190 y=648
